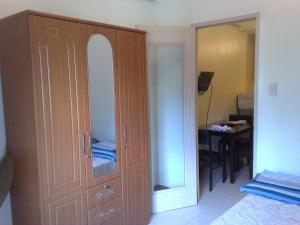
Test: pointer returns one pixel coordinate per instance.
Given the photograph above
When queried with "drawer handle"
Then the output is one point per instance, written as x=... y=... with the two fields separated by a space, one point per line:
x=104 y=194
x=107 y=213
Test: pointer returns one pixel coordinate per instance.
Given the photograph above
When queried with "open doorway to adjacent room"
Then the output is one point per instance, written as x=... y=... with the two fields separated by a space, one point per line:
x=226 y=56
x=225 y=49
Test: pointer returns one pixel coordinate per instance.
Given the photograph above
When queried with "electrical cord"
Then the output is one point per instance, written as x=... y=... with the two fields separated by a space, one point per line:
x=208 y=108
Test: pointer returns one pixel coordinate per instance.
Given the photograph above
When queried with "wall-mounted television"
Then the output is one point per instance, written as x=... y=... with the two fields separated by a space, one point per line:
x=204 y=81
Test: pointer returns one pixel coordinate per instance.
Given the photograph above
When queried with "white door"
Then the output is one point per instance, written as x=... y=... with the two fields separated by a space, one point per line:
x=172 y=91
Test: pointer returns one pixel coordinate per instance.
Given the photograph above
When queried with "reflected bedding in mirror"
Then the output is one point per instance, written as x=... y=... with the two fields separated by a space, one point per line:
x=102 y=106
x=104 y=158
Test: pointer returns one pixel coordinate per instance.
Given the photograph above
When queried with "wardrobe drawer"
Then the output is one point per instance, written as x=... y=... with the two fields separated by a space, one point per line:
x=105 y=212
x=103 y=192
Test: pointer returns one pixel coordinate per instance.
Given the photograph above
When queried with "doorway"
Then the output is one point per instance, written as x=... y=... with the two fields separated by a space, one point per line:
x=172 y=79
x=227 y=48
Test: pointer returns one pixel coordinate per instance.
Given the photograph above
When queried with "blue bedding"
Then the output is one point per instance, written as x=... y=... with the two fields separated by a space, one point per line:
x=105 y=150
x=277 y=186
x=104 y=154
x=105 y=145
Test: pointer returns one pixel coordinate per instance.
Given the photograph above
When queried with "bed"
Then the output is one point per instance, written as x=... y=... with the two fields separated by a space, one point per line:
x=268 y=202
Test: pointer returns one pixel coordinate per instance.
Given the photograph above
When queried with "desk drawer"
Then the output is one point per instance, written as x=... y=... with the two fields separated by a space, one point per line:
x=103 y=193
x=104 y=213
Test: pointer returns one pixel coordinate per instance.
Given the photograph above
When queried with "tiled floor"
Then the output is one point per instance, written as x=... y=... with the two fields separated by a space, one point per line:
x=211 y=205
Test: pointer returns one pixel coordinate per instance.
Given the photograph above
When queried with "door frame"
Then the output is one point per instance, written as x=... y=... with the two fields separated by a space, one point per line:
x=224 y=21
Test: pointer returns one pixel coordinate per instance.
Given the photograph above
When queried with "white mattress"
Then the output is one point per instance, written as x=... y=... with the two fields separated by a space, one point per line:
x=102 y=166
x=258 y=210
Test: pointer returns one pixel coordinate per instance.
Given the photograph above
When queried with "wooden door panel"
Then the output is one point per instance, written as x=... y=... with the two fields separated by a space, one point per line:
x=67 y=211
x=60 y=115
x=135 y=155
x=115 y=221
x=133 y=75
x=111 y=35
x=136 y=204
x=58 y=103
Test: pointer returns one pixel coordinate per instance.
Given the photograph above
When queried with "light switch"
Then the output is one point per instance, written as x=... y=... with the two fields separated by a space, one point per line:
x=273 y=89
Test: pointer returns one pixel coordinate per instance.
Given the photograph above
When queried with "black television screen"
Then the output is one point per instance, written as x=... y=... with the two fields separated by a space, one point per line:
x=204 y=81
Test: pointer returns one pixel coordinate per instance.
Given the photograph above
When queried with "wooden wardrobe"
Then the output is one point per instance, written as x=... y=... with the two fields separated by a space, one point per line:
x=44 y=72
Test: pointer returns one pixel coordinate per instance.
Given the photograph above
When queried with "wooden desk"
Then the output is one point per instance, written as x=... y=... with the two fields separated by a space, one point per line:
x=231 y=137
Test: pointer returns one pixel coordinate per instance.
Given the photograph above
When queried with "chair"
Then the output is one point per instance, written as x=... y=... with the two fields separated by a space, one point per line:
x=242 y=152
x=245 y=104
x=244 y=145
x=207 y=158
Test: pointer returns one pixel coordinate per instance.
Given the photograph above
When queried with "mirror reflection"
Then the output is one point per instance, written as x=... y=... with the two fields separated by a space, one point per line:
x=166 y=97
x=102 y=105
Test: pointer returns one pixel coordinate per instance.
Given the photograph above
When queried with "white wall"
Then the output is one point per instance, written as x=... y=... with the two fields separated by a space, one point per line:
x=278 y=118
x=224 y=50
x=2 y=125
x=5 y=209
x=121 y=12
x=101 y=88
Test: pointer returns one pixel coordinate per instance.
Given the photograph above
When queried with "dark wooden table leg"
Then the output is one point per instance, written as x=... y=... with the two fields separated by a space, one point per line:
x=232 y=160
x=224 y=167
x=210 y=162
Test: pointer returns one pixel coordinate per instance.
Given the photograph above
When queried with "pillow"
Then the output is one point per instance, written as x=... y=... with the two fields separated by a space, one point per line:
x=277 y=186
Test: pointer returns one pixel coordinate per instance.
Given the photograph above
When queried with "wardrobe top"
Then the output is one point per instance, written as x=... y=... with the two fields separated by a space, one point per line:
x=70 y=19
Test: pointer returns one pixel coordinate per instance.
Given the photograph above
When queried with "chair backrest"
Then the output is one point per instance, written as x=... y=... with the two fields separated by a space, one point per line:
x=202 y=137
x=245 y=104
x=235 y=117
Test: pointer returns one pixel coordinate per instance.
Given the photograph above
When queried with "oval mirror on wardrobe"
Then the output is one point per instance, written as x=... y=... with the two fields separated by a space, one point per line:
x=102 y=105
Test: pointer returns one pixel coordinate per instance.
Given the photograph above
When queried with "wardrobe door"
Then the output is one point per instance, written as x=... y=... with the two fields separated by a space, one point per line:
x=102 y=100
x=135 y=155
x=59 y=111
